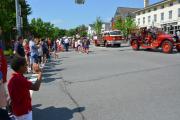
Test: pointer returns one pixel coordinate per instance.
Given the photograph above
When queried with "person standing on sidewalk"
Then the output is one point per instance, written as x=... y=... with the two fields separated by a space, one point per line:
x=27 y=53
x=86 y=45
x=66 y=44
x=40 y=52
x=19 y=86
x=18 y=48
x=55 y=47
x=33 y=54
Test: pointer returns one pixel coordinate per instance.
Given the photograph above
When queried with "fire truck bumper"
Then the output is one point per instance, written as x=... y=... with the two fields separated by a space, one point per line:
x=114 y=42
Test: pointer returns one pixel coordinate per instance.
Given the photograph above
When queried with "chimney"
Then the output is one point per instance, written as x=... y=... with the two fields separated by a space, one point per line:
x=146 y=3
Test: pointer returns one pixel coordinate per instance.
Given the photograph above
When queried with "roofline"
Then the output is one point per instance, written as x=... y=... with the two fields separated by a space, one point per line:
x=155 y=4
x=128 y=7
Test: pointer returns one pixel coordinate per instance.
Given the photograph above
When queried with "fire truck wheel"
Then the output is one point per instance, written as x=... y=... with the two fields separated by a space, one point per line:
x=167 y=46
x=119 y=45
x=135 y=45
x=178 y=48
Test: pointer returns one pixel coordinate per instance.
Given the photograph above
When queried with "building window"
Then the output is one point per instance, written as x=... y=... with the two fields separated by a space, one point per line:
x=170 y=14
x=162 y=16
x=149 y=19
x=149 y=10
x=143 y=20
x=155 y=17
x=178 y=12
x=178 y=1
x=155 y=9
x=171 y=4
x=138 y=21
x=143 y=12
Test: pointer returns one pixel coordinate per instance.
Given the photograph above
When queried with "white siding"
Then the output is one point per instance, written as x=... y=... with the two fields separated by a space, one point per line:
x=158 y=12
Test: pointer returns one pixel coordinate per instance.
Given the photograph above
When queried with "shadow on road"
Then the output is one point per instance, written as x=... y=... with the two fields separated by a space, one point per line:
x=92 y=52
x=50 y=70
x=53 y=70
x=157 y=50
x=48 y=80
x=48 y=74
x=129 y=49
x=52 y=113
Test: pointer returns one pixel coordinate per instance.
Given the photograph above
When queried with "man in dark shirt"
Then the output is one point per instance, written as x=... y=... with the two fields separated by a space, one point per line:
x=18 y=48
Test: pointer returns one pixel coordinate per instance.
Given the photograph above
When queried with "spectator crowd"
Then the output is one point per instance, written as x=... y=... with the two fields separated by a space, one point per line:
x=30 y=56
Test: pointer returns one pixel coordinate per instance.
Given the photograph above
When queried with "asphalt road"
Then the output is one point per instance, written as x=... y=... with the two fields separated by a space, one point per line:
x=110 y=84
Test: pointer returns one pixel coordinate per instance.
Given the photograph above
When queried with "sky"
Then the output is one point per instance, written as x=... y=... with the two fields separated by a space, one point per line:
x=65 y=14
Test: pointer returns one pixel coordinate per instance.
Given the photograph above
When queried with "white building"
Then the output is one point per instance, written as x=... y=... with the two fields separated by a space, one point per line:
x=164 y=14
x=90 y=30
x=105 y=27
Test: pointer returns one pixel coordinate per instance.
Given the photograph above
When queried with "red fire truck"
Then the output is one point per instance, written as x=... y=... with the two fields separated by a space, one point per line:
x=110 y=38
x=164 y=41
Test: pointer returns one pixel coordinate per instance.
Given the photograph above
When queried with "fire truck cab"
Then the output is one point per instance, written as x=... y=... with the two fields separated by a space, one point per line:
x=112 y=38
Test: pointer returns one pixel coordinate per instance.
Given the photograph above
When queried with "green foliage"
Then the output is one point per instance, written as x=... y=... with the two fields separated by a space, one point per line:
x=56 y=33
x=62 y=32
x=81 y=30
x=83 y=34
x=43 y=29
x=71 y=32
x=8 y=18
x=126 y=26
x=97 y=25
x=8 y=52
x=7 y=15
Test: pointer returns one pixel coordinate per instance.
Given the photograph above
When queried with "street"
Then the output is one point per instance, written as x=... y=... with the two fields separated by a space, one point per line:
x=110 y=84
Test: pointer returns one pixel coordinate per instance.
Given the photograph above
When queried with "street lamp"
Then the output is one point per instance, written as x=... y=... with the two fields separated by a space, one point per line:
x=79 y=1
x=18 y=17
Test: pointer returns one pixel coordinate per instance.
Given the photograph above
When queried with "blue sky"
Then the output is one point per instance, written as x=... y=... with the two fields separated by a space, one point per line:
x=65 y=14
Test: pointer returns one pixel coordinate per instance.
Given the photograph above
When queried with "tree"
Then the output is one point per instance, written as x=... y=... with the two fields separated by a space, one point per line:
x=42 y=29
x=49 y=29
x=62 y=32
x=56 y=33
x=125 y=26
x=97 y=25
x=8 y=18
x=81 y=30
x=37 y=27
x=71 y=32
x=25 y=11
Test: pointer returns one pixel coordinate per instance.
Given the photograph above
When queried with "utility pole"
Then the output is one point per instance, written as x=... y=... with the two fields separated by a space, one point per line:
x=18 y=18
